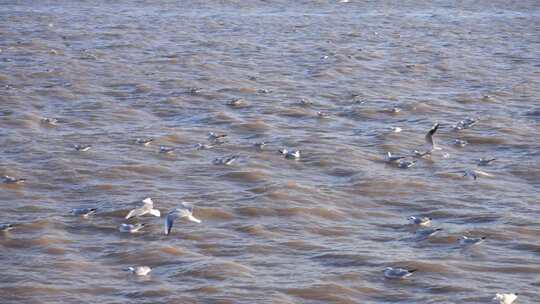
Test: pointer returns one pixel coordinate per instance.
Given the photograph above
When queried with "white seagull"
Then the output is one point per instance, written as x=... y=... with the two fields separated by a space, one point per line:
x=505 y=298
x=465 y=124
x=50 y=121
x=144 y=141
x=460 y=142
x=421 y=221
x=290 y=154
x=405 y=164
x=485 y=161
x=12 y=180
x=147 y=207
x=467 y=241
x=82 y=148
x=84 y=212
x=398 y=273
x=139 y=270
x=6 y=227
x=130 y=228
x=429 y=146
x=166 y=150
x=225 y=160
x=185 y=211
x=475 y=173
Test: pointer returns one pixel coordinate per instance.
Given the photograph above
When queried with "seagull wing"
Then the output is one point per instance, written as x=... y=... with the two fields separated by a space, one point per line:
x=135 y=212
x=429 y=137
x=169 y=220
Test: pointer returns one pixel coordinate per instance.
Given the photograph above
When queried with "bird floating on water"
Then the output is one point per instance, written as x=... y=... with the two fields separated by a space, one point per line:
x=201 y=146
x=260 y=145
x=290 y=154
x=84 y=212
x=475 y=174
x=398 y=273
x=50 y=121
x=465 y=124
x=130 y=228
x=429 y=146
x=405 y=164
x=505 y=298
x=485 y=161
x=184 y=211
x=139 y=270
x=460 y=142
x=420 y=220
x=147 y=207
x=216 y=138
x=228 y=160
x=470 y=241
x=13 y=180
x=6 y=227
x=82 y=148
x=236 y=102
x=144 y=141
x=166 y=150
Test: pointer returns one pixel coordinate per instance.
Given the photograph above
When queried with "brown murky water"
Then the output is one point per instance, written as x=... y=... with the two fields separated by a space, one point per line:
x=315 y=230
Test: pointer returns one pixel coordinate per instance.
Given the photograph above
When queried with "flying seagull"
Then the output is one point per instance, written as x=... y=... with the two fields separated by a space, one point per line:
x=147 y=207
x=429 y=146
x=184 y=211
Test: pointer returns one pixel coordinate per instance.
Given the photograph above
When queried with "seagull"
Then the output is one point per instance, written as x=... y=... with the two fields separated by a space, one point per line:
x=391 y=158
x=396 y=129
x=290 y=154
x=460 y=142
x=485 y=161
x=185 y=211
x=84 y=212
x=398 y=273
x=429 y=145
x=130 y=228
x=12 y=180
x=50 y=121
x=82 y=148
x=465 y=124
x=322 y=114
x=139 y=270
x=225 y=160
x=404 y=164
x=475 y=173
x=216 y=138
x=201 y=146
x=6 y=227
x=425 y=233
x=195 y=91
x=260 y=145
x=146 y=208
x=505 y=298
x=421 y=221
x=236 y=102
x=305 y=102
x=467 y=241
x=166 y=150
x=144 y=141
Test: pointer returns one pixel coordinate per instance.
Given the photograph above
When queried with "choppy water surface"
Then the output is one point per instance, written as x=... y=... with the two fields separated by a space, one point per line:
x=316 y=230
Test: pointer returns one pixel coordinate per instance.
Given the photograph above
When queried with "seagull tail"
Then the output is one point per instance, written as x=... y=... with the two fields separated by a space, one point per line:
x=412 y=270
